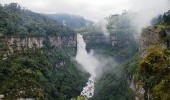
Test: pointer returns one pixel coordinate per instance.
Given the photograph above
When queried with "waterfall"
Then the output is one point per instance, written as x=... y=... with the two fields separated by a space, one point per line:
x=89 y=63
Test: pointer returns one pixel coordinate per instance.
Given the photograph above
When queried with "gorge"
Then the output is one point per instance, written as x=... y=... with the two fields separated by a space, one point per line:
x=64 y=56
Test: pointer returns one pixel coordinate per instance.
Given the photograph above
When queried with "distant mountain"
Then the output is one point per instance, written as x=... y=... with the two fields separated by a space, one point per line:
x=71 y=21
x=14 y=20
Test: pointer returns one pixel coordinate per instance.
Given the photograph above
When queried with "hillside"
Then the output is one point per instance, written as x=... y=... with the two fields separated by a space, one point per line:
x=143 y=69
x=153 y=69
x=63 y=57
x=15 y=20
x=71 y=21
x=36 y=57
x=118 y=48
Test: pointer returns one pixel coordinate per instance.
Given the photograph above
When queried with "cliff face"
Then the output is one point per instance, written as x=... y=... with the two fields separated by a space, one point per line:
x=149 y=36
x=96 y=39
x=153 y=36
x=63 y=41
x=13 y=43
x=168 y=35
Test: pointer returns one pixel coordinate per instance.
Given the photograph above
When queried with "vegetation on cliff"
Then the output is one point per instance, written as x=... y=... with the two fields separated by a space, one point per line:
x=113 y=84
x=43 y=74
x=153 y=69
x=46 y=73
x=154 y=73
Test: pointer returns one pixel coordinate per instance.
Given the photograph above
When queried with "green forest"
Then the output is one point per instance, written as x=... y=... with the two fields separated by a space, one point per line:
x=150 y=72
x=16 y=20
x=52 y=73
x=153 y=69
x=44 y=74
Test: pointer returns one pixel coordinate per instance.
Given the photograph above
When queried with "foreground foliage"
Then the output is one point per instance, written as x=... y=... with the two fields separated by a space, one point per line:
x=155 y=73
x=43 y=74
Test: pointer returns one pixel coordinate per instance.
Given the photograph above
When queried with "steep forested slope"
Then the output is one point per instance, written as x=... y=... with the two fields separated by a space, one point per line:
x=71 y=21
x=146 y=71
x=20 y=21
x=43 y=71
x=153 y=69
x=42 y=74
x=122 y=47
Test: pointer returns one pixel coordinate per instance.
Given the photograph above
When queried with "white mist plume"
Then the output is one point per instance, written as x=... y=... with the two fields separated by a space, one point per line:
x=103 y=26
x=89 y=63
x=92 y=63
x=107 y=63
x=140 y=14
x=145 y=10
x=87 y=60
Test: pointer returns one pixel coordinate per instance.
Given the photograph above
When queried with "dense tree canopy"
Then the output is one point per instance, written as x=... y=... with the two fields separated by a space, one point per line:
x=46 y=73
x=15 y=20
x=155 y=73
x=42 y=74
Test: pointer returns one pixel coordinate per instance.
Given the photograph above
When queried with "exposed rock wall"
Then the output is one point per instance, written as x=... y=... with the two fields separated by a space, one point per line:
x=168 y=35
x=13 y=43
x=150 y=36
x=16 y=43
x=63 y=41
x=113 y=40
x=138 y=89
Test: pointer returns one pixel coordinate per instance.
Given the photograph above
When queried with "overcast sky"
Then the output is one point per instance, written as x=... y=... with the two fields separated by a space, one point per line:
x=93 y=9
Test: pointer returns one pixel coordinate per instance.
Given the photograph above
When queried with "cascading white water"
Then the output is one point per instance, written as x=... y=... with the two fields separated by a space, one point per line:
x=89 y=62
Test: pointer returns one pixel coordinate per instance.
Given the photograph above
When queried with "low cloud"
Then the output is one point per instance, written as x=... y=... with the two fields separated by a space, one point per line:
x=145 y=10
x=95 y=9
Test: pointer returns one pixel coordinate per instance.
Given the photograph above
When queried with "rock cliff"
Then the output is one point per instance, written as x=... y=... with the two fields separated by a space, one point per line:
x=15 y=43
x=153 y=36
x=150 y=36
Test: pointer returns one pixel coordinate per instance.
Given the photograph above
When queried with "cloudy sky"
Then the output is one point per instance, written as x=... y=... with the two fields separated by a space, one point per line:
x=93 y=9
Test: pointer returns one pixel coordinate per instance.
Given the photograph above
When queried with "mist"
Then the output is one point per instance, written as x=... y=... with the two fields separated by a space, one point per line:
x=144 y=11
x=87 y=60
x=103 y=26
x=94 y=64
x=140 y=14
x=111 y=63
x=97 y=9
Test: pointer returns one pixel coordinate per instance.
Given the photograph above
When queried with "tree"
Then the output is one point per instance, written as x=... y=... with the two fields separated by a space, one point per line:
x=154 y=70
